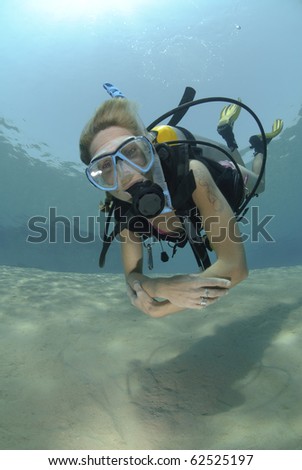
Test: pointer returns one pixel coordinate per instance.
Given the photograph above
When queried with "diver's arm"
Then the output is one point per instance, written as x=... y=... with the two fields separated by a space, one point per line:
x=221 y=228
x=224 y=236
x=141 y=288
x=179 y=292
x=132 y=257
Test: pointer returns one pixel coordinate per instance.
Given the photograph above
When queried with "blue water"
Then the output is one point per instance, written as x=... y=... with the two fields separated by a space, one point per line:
x=55 y=56
x=54 y=59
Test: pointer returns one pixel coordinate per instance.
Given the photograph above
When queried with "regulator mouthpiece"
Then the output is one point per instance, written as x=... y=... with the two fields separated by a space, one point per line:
x=148 y=199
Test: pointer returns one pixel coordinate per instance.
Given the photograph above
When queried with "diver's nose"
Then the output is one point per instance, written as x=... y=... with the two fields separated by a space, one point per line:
x=125 y=174
x=124 y=169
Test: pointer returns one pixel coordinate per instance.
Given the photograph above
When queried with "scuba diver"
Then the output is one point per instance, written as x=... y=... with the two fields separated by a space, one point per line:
x=163 y=183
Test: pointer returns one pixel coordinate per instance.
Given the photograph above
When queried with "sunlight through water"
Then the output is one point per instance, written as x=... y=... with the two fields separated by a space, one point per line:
x=59 y=10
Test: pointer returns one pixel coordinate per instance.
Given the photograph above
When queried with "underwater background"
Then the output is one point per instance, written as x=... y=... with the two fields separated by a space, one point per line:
x=55 y=56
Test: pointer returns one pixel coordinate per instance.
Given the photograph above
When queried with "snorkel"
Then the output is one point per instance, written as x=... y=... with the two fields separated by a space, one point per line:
x=150 y=197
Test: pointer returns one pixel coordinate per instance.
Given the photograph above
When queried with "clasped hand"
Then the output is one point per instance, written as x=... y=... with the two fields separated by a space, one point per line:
x=184 y=291
x=193 y=291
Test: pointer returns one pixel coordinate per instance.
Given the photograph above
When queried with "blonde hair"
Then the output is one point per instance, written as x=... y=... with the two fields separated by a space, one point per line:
x=115 y=112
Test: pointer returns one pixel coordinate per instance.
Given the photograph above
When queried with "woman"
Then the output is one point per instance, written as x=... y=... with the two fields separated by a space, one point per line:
x=119 y=152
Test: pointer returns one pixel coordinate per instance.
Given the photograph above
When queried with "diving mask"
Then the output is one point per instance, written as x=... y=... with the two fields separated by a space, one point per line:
x=136 y=152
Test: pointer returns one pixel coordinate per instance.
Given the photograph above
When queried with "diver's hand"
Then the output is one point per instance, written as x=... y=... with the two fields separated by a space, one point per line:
x=193 y=291
x=146 y=304
x=212 y=289
x=140 y=299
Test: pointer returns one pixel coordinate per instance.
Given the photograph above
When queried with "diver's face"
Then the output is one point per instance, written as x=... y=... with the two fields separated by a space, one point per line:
x=108 y=141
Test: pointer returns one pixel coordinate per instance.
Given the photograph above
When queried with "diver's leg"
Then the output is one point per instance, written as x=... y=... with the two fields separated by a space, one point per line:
x=257 y=163
x=257 y=146
x=228 y=116
x=250 y=178
x=237 y=157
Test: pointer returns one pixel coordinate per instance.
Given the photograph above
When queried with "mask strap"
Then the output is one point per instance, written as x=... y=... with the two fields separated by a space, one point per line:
x=159 y=178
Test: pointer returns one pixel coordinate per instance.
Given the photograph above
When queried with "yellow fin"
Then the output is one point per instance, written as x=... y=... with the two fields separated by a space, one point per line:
x=229 y=114
x=276 y=129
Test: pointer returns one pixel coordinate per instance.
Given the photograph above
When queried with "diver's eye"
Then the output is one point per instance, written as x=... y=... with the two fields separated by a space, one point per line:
x=105 y=165
x=131 y=152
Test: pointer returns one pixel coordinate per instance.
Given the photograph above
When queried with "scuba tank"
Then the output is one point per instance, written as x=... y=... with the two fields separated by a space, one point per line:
x=175 y=134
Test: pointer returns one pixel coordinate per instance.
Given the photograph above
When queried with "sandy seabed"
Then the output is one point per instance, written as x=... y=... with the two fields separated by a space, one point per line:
x=82 y=369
